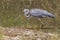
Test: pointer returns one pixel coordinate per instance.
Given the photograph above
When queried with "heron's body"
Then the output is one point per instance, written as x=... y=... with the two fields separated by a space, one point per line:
x=40 y=13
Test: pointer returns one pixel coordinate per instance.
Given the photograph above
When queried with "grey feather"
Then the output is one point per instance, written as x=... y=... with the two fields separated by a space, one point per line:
x=38 y=13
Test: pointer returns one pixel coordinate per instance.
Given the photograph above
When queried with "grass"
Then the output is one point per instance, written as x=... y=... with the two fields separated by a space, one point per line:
x=11 y=14
x=1 y=36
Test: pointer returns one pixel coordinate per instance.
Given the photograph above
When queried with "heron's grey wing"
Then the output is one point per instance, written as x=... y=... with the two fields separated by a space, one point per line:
x=37 y=12
x=40 y=13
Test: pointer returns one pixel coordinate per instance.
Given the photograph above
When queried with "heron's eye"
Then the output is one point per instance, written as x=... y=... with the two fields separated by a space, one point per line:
x=26 y=10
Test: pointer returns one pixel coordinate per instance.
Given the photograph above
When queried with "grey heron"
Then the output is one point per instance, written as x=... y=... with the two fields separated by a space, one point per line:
x=38 y=13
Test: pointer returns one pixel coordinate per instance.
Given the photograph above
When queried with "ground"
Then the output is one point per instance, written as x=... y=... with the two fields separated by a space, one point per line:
x=26 y=34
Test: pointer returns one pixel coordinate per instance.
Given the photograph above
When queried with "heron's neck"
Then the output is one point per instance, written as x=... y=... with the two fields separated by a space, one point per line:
x=27 y=15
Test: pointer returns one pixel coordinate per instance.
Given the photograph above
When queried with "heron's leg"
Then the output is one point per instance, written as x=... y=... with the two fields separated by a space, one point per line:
x=41 y=22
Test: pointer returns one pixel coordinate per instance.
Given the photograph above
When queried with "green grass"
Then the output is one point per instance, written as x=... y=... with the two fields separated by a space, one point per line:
x=1 y=36
x=11 y=14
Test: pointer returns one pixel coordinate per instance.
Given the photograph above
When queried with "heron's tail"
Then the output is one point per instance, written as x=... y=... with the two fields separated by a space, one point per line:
x=51 y=15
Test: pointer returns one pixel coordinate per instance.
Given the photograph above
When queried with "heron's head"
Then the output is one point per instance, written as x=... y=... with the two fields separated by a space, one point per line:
x=26 y=13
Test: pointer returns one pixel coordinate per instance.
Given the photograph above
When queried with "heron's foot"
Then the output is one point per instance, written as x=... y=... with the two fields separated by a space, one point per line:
x=42 y=26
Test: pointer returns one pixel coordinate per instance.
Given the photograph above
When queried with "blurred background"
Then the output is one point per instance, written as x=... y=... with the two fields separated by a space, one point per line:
x=11 y=13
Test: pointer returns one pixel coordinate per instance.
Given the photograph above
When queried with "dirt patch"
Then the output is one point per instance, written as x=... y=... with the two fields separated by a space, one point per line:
x=26 y=34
